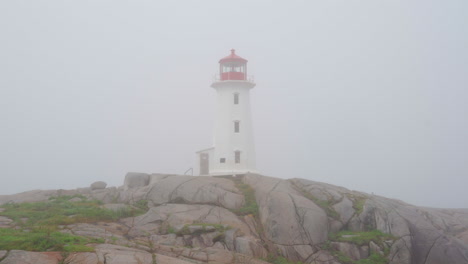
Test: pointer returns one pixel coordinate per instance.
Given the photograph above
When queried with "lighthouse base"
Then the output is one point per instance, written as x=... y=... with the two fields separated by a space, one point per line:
x=209 y=165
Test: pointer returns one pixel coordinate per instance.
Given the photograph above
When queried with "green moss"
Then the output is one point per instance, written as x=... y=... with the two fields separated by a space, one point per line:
x=250 y=206
x=38 y=223
x=43 y=241
x=342 y=258
x=142 y=204
x=171 y=230
x=358 y=203
x=360 y=239
x=61 y=211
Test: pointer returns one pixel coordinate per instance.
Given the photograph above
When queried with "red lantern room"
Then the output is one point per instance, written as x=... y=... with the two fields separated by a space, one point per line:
x=233 y=67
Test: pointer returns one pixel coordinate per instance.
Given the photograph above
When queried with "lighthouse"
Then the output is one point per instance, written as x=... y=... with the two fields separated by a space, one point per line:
x=233 y=150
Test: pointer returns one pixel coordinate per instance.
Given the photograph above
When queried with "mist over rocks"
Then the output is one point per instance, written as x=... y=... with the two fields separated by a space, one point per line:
x=244 y=219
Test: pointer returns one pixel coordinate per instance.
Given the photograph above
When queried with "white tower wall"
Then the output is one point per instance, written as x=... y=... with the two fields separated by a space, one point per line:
x=226 y=140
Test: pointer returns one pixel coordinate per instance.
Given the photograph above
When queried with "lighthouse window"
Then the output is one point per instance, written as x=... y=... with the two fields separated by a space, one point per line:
x=237 y=156
x=236 y=98
x=222 y=160
x=236 y=126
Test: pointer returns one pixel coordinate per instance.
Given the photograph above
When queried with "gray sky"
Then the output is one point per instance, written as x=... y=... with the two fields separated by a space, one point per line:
x=369 y=95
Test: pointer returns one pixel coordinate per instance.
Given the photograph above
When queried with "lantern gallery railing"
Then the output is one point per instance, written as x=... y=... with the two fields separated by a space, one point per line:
x=233 y=76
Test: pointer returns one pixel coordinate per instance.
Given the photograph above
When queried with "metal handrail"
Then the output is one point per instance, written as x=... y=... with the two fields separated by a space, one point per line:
x=190 y=169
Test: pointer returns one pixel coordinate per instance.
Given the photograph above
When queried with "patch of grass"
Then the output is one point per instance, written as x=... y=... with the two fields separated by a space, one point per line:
x=61 y=211
x=250 y=206
x=37 y=223
x=42 y=241
x=142 y=204
x=358 y=203
x=361 y=238
x=342 y=258
x=171 y=230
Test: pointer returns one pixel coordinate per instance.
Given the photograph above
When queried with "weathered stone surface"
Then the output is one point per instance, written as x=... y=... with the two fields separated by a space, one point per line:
x=400 y=252
x=161 y=259
x=27 y=257
x=375 y=248
x=350 y=250
x=463 y=237
x=3 y=253
x=5 y=222
x=179 y=215
x=112 y=254
x=136 y=180
x=82 y=258
x=30 y=196
x=322 y=257
x=194 y=190
x=108 y=195
x=344 y=209
x=168 y=240
x=111 y=232
x=288 y=218
x=98 y=185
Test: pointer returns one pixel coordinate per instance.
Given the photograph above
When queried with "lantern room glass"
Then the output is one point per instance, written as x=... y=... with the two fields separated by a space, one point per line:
x=233 y=71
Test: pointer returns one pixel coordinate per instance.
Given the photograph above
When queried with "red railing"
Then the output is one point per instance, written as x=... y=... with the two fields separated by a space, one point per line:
x=233 y=76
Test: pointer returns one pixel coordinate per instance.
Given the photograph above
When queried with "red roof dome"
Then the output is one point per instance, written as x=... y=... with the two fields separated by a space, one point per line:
x=232 y=58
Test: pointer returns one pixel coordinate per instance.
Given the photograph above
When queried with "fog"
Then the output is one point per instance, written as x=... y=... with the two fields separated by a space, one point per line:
x=369 y=95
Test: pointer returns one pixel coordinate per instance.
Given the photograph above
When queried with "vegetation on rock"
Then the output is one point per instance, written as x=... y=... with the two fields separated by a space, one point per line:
x=43 y=240
x=281 y=260
x=250 y=205
x=358 y=202
x=359 y=239
x=326 y=205
x=38 y=223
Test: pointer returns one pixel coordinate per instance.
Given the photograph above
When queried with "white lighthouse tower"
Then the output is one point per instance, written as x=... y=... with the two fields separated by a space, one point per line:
x=233 y=150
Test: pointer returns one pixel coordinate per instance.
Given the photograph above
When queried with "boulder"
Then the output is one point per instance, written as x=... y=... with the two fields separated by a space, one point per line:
x=136 y=180
x=98 y=185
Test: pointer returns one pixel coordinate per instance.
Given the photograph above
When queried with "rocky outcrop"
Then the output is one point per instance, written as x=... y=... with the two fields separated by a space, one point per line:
x=203 y=220
x=99 y=185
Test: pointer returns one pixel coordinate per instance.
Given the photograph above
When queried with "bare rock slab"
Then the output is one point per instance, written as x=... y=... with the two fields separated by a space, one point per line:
x=27 y=257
